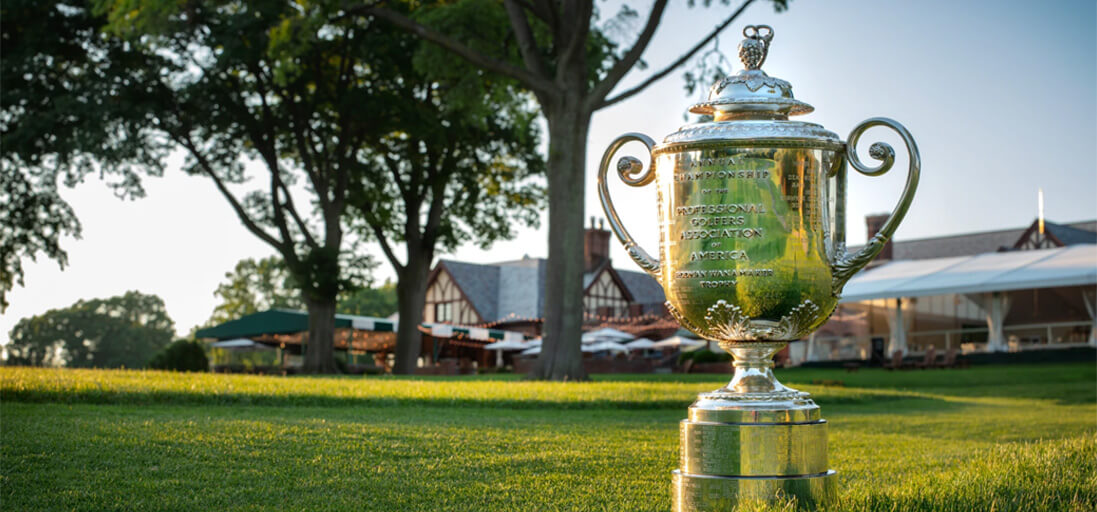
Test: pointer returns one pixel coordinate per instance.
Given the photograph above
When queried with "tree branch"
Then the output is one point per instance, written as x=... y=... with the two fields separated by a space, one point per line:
x=542 y=9
x=630 y=57
x=674 y=65
x=296 y=217
x=526 y=77
x=527 y=44
x=384 y=242
x=269 y=152
x=573 y=38
x=186 y=142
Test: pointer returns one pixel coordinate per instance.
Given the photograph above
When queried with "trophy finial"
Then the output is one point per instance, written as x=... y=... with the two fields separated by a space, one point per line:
x=753 y=49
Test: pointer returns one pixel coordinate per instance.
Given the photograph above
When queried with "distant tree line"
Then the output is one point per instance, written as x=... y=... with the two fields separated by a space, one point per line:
x=134 y=330
x=117 y=332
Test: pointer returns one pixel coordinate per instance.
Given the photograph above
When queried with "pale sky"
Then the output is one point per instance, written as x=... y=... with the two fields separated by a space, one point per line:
x=999 y=95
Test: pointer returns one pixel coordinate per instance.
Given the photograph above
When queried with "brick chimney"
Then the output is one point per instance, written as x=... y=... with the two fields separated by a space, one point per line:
x=873 y=223
x=595 y=245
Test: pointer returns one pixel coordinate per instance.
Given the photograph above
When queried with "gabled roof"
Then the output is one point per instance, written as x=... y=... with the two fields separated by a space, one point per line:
x=644 y=288
x=968 y=244
x=1070 y=235
x=480 y=283
x=516 y=289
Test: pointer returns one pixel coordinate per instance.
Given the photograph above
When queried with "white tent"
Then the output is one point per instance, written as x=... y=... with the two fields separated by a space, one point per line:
x=1074 y=265
x=677 y=342
x=983 y=278
x=606 y=334
x=640 y=344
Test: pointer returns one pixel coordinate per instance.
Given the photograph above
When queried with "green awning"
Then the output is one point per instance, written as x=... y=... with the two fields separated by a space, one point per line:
x=285 y=321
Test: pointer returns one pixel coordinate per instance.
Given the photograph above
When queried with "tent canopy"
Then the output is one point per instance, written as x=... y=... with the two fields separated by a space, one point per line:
x=1074 y=265
x=286 y=321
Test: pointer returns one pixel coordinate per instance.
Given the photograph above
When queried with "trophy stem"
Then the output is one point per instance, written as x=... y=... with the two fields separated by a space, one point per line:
x=753 y=376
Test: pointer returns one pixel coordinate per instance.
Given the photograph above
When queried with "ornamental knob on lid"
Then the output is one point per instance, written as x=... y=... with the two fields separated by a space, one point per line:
x=751 y=93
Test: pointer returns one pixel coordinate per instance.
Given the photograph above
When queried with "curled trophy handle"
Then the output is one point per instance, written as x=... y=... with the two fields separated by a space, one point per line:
x=848 y=264
x=632 y=172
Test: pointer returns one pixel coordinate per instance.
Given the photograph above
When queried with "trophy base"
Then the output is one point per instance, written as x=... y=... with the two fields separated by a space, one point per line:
x=754 y=440
x=724 y=493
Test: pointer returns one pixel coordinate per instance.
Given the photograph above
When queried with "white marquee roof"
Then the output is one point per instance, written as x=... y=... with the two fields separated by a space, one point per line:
x=1074 y=265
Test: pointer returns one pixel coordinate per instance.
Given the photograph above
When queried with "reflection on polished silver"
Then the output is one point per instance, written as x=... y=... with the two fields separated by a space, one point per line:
x=752 y=255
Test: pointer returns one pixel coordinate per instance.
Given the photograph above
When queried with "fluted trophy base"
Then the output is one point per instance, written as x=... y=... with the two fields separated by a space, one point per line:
x=754 y=440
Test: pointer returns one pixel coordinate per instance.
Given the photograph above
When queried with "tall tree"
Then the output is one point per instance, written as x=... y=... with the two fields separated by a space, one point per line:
x=122 y=331
x=207 y=79
x=460 y=162
x=554 y=50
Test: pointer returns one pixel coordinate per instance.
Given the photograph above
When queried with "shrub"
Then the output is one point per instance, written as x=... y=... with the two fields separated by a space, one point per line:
x=181 y=356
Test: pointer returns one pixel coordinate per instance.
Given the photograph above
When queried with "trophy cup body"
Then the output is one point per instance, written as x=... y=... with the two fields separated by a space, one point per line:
x=752 y=255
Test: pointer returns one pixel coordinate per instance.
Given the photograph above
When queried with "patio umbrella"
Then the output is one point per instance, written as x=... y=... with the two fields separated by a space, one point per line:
x=240 y=344
x=677 y=342
x=605 y=346
x=531 y=351
x=501 y=346
x=507 y=345
x=685 y=333
x=606 y=334
x=640 y=344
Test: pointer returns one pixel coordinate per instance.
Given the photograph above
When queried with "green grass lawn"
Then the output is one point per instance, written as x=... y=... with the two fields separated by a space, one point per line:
x=996 y=438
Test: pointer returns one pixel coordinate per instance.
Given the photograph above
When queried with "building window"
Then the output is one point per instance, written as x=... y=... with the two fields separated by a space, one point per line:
x=443 y=312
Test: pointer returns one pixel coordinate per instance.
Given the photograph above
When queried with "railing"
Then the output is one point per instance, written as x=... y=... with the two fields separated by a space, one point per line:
x=969 y=340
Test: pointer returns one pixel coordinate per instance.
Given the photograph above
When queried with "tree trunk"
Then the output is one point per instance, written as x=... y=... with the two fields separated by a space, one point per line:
x=411 y=292
x=320 y=351
x=561 y=357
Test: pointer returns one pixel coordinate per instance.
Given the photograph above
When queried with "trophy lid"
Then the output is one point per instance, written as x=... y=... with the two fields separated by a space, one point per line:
x=751 y=93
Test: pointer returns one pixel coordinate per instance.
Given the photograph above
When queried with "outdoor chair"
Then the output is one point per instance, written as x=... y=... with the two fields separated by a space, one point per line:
x=930 y=360
x=953 y=360
x=896 y=362
x=950 y=359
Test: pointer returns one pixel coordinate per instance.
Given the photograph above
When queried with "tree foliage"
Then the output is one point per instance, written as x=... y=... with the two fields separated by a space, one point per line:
x=122 y=331
x=253 y=286
x=56 y=110
x=258 y=285
x=370 y=301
